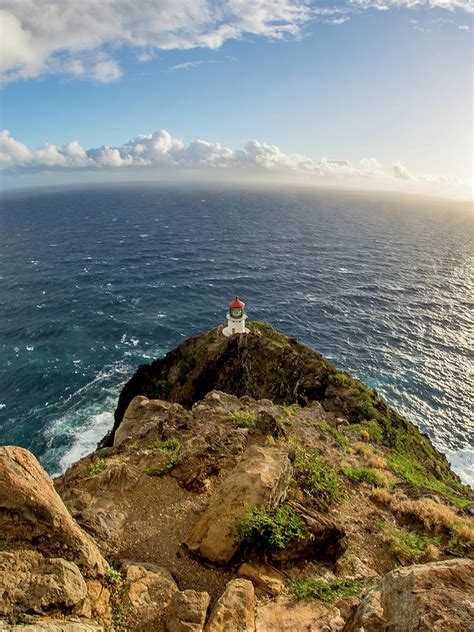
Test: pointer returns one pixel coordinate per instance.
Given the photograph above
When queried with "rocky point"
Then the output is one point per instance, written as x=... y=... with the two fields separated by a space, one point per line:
x=247 y=485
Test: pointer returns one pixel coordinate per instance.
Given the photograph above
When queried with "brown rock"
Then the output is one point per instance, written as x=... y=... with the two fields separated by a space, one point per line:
x=144 y=415
x=432 y=597
x=32 y=511
x=235 y=609
x=150 y=589
x=260 y=478
x=187 y=611
x=262 y=576
x=29 y=583
x=98 y=601
x=287 y=615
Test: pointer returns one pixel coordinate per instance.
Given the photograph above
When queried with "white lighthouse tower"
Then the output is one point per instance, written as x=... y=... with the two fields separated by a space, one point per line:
x=236 y=318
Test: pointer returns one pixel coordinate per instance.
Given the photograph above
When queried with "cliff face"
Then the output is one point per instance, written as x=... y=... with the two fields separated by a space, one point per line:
x=248 y=485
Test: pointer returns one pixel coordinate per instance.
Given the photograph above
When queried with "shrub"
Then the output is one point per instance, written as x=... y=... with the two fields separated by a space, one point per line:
x=308 y=589
x=242 y=419
x=262 y=529
x=371 y=427
x=112 y=577
x=316 y=478
x=96 y=468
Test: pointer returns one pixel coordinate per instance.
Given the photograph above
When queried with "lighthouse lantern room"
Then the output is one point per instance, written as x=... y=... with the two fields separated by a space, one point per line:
x=236 y=318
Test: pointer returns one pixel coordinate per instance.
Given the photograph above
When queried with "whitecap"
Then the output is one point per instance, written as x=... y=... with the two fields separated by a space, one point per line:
x=29 y=348
x=462 y=462
x=2 y=406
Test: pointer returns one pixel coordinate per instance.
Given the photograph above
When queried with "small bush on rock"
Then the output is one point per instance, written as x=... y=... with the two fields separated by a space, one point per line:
x=275 y=530
x=316 y=478
x=309 y=589
x=242 y=419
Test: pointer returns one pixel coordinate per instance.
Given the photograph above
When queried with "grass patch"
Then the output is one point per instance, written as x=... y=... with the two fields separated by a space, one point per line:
x=241 y=418
x=309 y=589
x=408 y=546
x=169 y=447
x=340 y=438
x=364 y=475
x=371 y=427
x=341 y=379
x=408 y=467
x=316 y=478
x=96 y=468
x=262 y=529
x=269 y=331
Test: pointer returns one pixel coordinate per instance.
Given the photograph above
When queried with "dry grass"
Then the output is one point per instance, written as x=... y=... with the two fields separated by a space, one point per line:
x=370 y=456
x=436 y=518
x=381 y=495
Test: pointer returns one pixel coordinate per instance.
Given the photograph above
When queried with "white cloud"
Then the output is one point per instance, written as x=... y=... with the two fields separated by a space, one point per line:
x=46 y=37
x=463 y=27
x=80 y=38
x=161 y=151
x=400 y=171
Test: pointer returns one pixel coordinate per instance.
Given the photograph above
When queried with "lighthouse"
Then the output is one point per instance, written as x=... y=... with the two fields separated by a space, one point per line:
x=236 y=318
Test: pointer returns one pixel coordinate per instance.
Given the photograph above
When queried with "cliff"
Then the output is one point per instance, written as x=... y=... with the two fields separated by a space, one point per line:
x=247 y=484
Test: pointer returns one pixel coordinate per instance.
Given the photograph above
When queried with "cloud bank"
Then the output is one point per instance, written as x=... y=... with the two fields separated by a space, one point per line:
x=81 y=39
x=161 y=153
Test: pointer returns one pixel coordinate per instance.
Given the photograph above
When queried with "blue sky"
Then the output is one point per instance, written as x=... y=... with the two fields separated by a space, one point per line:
x=358 y=83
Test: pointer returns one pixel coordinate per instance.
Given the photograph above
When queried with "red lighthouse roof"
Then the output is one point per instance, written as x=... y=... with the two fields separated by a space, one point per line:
x=237 y=303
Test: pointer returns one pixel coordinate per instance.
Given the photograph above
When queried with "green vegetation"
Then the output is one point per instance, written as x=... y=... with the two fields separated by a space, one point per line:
x=96 y=468
x=112 y=578
x=104 y=452
x=408 y=546
x=185 y=366
x=169 y=447
x=341 y=379
x=262 y=529
x=316 y=478
x=371 y=427
x=269 y=331
x=241 y=418
x=309 y=589
x=363 y=475
x=340 y=438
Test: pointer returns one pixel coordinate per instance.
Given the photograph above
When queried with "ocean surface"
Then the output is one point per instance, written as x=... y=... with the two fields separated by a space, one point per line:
x=95 y=281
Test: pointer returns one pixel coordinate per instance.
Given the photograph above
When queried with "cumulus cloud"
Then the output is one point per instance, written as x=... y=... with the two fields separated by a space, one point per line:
x=162 y=152
x=80 y=39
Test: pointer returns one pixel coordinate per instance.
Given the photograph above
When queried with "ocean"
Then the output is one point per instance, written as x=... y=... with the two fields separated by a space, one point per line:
x=97 y=280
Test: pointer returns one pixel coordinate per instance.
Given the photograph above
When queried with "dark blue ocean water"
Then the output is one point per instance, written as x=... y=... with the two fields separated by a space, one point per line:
x=95 y=281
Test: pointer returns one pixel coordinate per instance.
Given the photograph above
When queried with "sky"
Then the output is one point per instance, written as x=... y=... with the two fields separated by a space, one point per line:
x=372 y=94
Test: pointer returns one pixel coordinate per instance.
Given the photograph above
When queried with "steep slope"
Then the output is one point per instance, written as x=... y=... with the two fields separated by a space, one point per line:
x=266 y=364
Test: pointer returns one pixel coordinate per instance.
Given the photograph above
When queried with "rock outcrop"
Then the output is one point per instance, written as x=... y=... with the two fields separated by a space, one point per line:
x=432 y=597
x=214 y=511
x=235 y=609
x=29 y=583
x=260 y=479
x=32 y=513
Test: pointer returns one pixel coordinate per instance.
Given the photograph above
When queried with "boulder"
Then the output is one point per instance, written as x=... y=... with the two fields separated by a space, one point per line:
x=187 y=611
x=263 y=577
x=260 y=478
x=143 y=415
x=32 y=511
x=234 y=611
x=29 y=583
x=432 y=597
x=287 y=615
x=149 y=591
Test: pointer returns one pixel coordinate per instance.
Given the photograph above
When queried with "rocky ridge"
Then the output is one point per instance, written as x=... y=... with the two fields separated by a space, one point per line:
x=247 y=485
